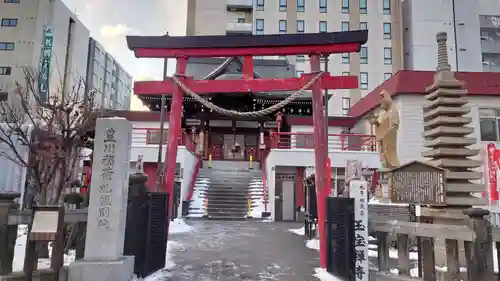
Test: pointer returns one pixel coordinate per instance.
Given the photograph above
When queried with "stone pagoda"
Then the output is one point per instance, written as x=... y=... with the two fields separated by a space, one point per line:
x=446 y=134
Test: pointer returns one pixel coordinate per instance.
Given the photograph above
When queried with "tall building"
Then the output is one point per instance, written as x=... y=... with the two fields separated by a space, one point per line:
x=472 y=28
x=378 y=59
x=111 y=84
x=46 y=29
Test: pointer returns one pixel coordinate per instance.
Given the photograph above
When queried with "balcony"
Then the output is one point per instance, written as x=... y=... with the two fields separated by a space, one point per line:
x=342 y=142
x=297 y=150
x=238 y=28
x=239 y=5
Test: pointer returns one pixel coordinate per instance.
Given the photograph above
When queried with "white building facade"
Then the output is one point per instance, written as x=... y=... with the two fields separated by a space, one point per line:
x=472 y=28
x=378 y=60
x=109 y=82
x=22 y=35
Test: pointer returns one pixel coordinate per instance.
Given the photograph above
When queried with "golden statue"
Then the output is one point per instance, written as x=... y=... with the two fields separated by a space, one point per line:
x=386 y=124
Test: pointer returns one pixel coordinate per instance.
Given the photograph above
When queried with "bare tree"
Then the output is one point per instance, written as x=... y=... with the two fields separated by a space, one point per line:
x=46 y=136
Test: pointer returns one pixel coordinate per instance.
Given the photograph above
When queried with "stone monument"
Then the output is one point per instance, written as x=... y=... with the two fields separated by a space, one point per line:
x=104 y=260
x=446 y=136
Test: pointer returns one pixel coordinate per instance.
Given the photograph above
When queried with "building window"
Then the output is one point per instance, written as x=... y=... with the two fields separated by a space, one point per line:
x=282 y=26
x=387 y=7
x=387 y=30
x=363 y=55
x=5 y=70
x=387 y=55
x=9 y=22
x=344 y=26
x=362 y=7
x=323 y=26
x=260 y=5
x=11 y=1
x=241 y=20
x=489 y=125
x=345 y=6
x=7 y=46
x=387 y=76
x=346 y=73
x=299 y=73
x=363 y=25
x=153 y=136
x=346 y=105
x=322 y=6
x=300 y=26
x=282 y=5
x=363 y=80
x=259 y=26
x=345 y=58
x=301 y=6
x=301 y=58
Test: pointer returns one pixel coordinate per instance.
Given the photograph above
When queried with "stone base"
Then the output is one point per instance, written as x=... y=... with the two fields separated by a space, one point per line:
x=120 y=270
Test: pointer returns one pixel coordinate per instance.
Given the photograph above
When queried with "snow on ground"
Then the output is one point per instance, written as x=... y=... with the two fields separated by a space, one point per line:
x=164 y=273
x=197 y=205
x=179 y=226
x=313 y=244
x=298 y=231
x=323 y=275
x=256 y=191
x=20 y=250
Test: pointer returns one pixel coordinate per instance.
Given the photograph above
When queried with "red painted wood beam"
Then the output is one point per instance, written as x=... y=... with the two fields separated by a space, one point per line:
x=247 y=72
x=251 y=51
x=203 y=87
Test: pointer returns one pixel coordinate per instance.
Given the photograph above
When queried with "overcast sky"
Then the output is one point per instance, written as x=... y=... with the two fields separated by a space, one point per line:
x=110 y=20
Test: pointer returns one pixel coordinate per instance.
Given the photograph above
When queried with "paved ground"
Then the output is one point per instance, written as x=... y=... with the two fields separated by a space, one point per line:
x=242 y=251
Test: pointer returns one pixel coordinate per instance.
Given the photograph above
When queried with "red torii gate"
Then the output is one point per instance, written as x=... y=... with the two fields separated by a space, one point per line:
x=313 y=44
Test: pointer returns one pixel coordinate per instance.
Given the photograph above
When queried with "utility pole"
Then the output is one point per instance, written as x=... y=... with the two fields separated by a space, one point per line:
x=159 y=171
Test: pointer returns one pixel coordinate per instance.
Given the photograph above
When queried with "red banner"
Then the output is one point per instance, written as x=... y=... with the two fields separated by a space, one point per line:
x=493 y=161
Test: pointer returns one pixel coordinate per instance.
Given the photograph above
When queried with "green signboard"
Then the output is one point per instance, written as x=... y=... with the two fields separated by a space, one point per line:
x=43 y=80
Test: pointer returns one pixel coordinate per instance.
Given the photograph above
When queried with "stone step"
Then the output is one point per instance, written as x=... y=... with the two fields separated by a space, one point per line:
x=442 y=92
x=448 y=131
x=455 y=163
x=226 y=218
x=227 y=203
x=447 y=121
x=445 y=101
x=446 y=111
x=456 y=152
x=449 y=141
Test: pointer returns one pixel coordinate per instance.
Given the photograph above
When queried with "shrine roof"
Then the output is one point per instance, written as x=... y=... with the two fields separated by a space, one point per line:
x=411 y=82
x=228 y=69
x=245 y=41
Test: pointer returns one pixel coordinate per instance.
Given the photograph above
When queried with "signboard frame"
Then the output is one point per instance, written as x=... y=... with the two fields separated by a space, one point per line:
x=359 y=192
x=418 y=183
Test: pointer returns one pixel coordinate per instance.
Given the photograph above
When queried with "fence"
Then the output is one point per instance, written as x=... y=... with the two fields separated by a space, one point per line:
x=477 y=237
x=344 y=142
x=11 y=226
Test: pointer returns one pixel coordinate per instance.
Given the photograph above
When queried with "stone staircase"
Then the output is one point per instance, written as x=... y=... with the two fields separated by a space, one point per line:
x=222 y=192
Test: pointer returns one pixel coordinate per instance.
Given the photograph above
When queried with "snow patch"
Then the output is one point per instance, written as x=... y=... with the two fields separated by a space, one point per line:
x=323 y=275
x=20 y=251
x=179 y=226
x=298 y=231
x=164 y=273
x=313 y=244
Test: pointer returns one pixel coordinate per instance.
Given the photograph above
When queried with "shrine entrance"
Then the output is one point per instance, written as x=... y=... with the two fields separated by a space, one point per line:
x=315 y=45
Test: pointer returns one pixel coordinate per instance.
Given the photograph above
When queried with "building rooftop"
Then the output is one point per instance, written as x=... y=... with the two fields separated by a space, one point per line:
x=414 y=83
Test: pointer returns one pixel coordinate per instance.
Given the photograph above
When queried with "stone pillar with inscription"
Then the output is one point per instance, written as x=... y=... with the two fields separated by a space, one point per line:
x=104 y=260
